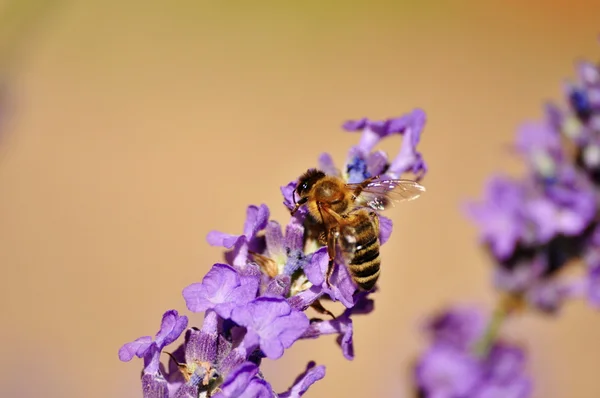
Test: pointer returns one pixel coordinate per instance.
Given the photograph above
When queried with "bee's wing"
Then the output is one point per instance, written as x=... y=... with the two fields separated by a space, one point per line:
x=382 y=194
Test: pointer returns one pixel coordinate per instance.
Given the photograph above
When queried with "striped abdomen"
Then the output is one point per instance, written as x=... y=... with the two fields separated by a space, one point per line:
x=365 y=263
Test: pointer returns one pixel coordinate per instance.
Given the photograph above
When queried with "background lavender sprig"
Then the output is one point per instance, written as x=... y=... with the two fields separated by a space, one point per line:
x=535 y=228
x=254 y=304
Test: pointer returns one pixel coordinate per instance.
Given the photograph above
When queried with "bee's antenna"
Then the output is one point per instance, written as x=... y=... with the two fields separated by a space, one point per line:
x=294 y=196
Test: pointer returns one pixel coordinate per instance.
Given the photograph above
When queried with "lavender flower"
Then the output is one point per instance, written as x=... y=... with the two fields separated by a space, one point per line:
x=254 y=303
x=536 y=226
x=452 y=367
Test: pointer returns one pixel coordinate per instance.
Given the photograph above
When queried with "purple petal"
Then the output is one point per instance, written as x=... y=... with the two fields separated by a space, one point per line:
x=376 y=163
x=201 y=345
x=171 y=327
x=593 y=287
x=172 y=372
x=589 y=73
x=256 y=220
x=238 y=380
x=355 y=125
x=271 y=323
x=363 y=304
x=274 y=238
x=216 y=238
x=314 y=269
x=327 y=166
x=385 y=229
x=238 y=256
x=519 y=388
x=304 y=299
x=447 y=372
x=278 y=286
x=538 y=137
x=152 y=359
x=288 y=195
x=233 y=359
x=342 y=287
x=304 y=381
x=135 y=348
x=548 y=296
x=221 y=290
x=186 y=391
x=294 y=235
x=505 y=363
x=408 y=158
x=341 y=325
x=458 y=326
x=258 y=388
x=154 y=386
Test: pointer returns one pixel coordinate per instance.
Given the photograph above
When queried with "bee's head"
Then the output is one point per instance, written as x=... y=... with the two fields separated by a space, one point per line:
x=307 y=181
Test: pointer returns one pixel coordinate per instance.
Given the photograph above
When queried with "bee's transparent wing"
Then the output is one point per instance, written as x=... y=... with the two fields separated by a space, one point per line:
x=382 y=194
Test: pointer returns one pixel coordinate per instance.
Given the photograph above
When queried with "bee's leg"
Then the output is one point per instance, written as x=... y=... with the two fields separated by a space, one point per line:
x=358 y=190
x=331 y=251
x=297 y=205
x=318 y=306
x=331 y=220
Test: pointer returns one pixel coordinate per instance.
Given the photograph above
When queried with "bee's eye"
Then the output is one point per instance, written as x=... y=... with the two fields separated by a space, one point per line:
x=304 y=186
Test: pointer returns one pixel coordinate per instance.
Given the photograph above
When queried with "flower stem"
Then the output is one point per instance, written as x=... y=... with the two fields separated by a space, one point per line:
x=506 y=305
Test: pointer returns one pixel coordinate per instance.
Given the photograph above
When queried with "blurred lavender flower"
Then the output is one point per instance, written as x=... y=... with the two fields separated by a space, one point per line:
x=254 y=304
x=537 y=226
x=453 y=367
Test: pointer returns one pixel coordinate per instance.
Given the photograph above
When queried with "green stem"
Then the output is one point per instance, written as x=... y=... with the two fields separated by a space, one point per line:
x=484 y=344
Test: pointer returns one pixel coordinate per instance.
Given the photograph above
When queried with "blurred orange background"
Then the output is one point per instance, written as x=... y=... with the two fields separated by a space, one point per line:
x=131 y=129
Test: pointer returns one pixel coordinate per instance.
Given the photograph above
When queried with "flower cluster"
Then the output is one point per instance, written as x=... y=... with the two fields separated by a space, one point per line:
x=535 y=228
x=455 y=366
x=538 y=226
x=254 y=303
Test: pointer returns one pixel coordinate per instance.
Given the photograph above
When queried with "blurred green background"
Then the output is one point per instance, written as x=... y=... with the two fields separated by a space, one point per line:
x=131 y=129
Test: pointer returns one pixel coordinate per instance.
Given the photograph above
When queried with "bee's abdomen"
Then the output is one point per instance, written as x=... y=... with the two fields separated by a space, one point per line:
x=364 y=266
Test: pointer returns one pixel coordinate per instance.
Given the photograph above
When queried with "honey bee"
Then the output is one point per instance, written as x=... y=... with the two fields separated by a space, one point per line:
x=346 y=215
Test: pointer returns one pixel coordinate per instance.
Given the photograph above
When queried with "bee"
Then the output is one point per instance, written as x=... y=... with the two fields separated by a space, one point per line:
x=347 y=215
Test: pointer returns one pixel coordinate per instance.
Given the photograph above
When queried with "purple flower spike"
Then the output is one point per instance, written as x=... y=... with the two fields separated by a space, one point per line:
x=243 y=382
x=271 y=324
x=452 y=366
x=256 y=221
x=172 y=326
x=304 y=381
x=222 y=289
